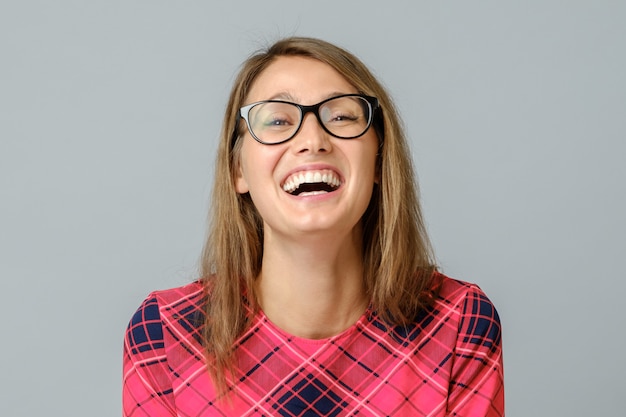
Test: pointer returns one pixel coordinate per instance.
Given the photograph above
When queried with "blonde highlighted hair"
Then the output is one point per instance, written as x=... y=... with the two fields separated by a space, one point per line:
x=398 y=259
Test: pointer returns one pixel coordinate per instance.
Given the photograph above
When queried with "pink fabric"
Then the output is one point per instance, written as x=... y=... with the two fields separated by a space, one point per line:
x=447 y=363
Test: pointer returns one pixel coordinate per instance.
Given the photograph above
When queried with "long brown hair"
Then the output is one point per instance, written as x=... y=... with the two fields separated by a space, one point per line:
x=398 y=259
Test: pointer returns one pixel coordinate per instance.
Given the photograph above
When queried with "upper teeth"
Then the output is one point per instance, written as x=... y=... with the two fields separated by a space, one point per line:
x=311 y=177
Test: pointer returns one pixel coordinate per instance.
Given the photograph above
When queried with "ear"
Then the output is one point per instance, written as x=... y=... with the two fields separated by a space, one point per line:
x=378 y=165
x=241 y=185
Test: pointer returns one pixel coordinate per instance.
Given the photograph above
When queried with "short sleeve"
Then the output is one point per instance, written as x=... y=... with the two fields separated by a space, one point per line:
x=477 y=380
x=147 y=387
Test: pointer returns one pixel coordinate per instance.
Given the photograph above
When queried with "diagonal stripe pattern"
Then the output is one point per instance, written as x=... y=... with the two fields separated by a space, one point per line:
x=448 y=362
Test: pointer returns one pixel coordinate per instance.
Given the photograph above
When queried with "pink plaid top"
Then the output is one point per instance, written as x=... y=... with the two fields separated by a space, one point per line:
x=447 y=363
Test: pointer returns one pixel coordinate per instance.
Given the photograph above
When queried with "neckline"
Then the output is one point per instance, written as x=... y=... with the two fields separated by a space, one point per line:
x=360 y=323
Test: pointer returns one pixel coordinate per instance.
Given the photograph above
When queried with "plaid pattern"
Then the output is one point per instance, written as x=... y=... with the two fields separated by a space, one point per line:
x=447 y=363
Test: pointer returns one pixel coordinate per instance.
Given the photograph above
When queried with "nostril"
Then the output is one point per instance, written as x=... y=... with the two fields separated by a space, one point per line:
x=315 y=150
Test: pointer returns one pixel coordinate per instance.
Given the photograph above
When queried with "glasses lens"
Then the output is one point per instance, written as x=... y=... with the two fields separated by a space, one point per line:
x=346 y=117
x=274 y=122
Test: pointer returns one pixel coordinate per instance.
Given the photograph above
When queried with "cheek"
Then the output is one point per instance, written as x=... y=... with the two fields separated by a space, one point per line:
x=369 y=161
x=256 y=167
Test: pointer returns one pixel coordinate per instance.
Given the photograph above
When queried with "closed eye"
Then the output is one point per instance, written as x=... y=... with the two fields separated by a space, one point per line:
x=343 y=118
x=277 y=122
x=347 y=117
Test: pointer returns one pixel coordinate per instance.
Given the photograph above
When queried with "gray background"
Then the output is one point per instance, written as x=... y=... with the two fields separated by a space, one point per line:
x=109 y=114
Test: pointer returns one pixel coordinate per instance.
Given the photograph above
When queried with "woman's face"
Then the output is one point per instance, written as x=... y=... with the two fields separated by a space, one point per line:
x=337 y=175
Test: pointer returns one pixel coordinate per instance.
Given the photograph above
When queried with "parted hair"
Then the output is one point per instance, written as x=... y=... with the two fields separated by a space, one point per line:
x=399 y=265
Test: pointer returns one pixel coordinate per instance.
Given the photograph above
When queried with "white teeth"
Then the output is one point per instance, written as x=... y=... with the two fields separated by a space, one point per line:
x=309 y=177
x=312 y=193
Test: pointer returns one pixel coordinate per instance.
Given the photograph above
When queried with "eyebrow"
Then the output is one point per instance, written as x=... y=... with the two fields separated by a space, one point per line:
x=283 y=95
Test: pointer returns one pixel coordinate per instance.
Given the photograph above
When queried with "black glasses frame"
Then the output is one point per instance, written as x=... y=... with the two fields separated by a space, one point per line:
x=245 y=110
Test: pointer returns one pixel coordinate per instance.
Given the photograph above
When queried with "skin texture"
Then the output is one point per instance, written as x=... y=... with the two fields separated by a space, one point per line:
x=312 y=259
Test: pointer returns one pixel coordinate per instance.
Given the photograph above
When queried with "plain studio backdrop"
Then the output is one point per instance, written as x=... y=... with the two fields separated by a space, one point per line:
x=109 y=117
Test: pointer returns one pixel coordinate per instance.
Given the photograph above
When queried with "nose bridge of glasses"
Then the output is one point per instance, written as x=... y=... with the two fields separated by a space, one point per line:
x=311 y=134
x=311 y=112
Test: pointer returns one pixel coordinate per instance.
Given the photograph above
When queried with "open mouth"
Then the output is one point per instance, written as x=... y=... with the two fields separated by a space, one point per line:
x=312 y=183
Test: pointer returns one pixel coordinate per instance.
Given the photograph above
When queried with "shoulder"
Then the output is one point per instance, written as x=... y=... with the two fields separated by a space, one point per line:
x=475 y=376
x=189 y=293
x=162 y=308
x=477 y=318
x=171 y=302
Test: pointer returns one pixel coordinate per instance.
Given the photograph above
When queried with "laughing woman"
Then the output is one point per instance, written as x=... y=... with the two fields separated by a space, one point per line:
x=318 y=293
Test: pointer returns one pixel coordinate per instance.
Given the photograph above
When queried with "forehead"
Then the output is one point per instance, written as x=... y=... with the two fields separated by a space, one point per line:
x=300 y=79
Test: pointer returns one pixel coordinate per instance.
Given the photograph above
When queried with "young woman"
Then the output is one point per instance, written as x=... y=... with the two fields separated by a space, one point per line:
x=319 y=293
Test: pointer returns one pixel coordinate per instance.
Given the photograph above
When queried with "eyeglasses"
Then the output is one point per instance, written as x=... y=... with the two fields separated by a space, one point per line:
x=347 y=116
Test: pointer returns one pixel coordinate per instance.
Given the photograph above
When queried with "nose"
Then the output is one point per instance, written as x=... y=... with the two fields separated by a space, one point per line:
x=311 y=138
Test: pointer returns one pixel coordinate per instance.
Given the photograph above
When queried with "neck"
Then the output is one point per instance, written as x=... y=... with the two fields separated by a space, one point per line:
x=312 y=289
